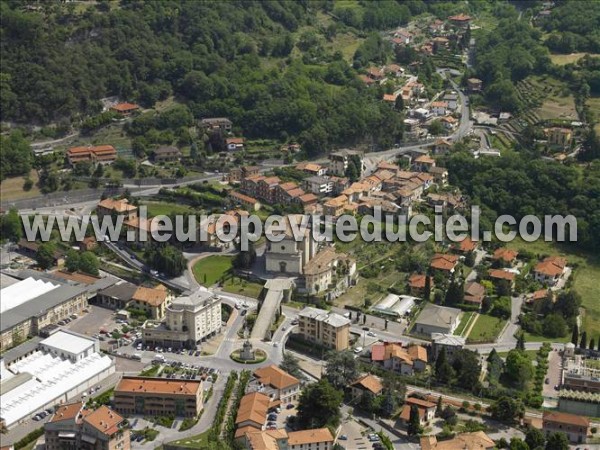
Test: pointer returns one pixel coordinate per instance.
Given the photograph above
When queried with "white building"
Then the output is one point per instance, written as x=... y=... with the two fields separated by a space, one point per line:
x=319 y=185
x=339 y=162
x=188 y=321
x=396 y=305
x=437 y=319
x=64 y=366
x=290 y=256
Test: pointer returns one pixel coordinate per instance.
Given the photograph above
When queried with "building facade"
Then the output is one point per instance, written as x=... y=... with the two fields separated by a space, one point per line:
x=324 y=328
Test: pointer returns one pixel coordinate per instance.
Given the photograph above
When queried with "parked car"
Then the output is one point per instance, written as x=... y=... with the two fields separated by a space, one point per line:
x=289 y=406
x=343 y=437
x=370 y=333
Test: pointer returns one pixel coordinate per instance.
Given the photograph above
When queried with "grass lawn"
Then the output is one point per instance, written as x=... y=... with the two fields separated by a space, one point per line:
x=529 y=337
x=561 y=60
x=530 y=353
x=585 y=276
x=163 y=208
x=12 y=188
x=486 y=329
x=463 y=323
x=197 y=441
x=209 y=270
x=242 y=287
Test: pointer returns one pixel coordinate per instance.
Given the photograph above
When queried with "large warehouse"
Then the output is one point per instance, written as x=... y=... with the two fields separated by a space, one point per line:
x=65 y=365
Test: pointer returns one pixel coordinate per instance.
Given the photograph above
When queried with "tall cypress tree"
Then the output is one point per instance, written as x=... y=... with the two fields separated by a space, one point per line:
x=575 y=335
x=583 y=342
x=592 y=345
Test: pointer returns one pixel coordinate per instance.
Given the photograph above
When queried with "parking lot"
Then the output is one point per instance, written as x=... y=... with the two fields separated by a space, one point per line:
x=90 y=323
x=351 y=437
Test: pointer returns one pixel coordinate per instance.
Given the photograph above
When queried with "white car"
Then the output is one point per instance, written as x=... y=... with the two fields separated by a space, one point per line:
x=358 y=349
x=370 y=333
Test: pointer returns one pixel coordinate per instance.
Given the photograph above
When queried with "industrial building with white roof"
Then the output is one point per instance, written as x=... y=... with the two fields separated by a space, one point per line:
x=65 y=365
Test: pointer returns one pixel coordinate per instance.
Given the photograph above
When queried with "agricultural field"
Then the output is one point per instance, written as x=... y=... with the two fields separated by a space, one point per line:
x=585 y=276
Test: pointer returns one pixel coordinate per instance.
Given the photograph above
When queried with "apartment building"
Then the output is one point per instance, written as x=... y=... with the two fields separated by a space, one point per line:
x=154 y=301
x=277 y=384
x=73 y=427
x=339 y=162
x=158 y=397
x=100 y=154
x=324 y=328
x=319 y=185
x=575 y=427
x=188 y=320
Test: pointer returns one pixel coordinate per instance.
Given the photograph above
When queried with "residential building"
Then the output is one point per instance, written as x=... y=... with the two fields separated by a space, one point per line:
x=100 y=154
x=324 y=328
x=416 y=284
x=72 y=426
x=460 y=20
x=423 y=163
x=88 y=244
x=576 y=427
x=440 y=175
x=252 y=413
x=472 y=441
x=245 y=201
x=339 y=162
x=29 y=248
x=441 y=147
x=235 y=143
x=559 y=136
x=426 y=410
x=452 y=100
x=500 y=275
x=467 y=245
x=167 y=153
x=189 y=320
x=505 y=256
x=474 y=84
x=290 y=256
x=405 y=360
x=315 y=439
x=326 y=269
x=312 y=168
x=158 y=397
x=474 y=293
x=437 y=319
x=277 y=384
x=366 y=385
x=444 y=263
x=452 y=344
x=318 y=185
x=153 y=301
x=439 y=108
x=280 y=439
x=550 y=270
x=121 y=207
x=237 y=174
x=217 y=123
x=125 y=109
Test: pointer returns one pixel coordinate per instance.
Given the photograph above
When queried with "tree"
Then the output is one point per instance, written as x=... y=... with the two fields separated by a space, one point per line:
x=45 y=255
x=427 y=289
x=319 y=406
x=575 y=334
x=554 y=326
x=467 y=368
x=393 y=395
x=521 y=342
x=245 y=258
x=518 y=368
x=436 y=128
x=470 y=259
x=592 y=345
x=518 y=444
x=291 y=365
x=11 y=227
x=167 y=259
x=534 y=438
x=583 y=342
x=439 y=407
x=16 y=155
x=89 y=263
x=414 y=422
x=449 y=415
x=557 y=441
x=73 y=261
x=455 y=293
x=444 y=373
x=341 y=368
x=399 y=105
x=507 y=409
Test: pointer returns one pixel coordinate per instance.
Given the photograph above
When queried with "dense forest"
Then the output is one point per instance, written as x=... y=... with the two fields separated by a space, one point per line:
x=574 y=26
x=518 y=186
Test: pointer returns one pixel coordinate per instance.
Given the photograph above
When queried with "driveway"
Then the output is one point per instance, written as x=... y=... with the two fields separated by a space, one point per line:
x=554 y=375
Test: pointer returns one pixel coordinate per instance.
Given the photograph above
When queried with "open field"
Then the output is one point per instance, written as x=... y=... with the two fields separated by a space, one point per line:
x=162 y=208
x=561 y=60
x=198 y=441
x=585 y=277
x=242 y=287
x=486 y=329
x=529 y=337
x=209 y=270
x=559 y=108
x=12 y=188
